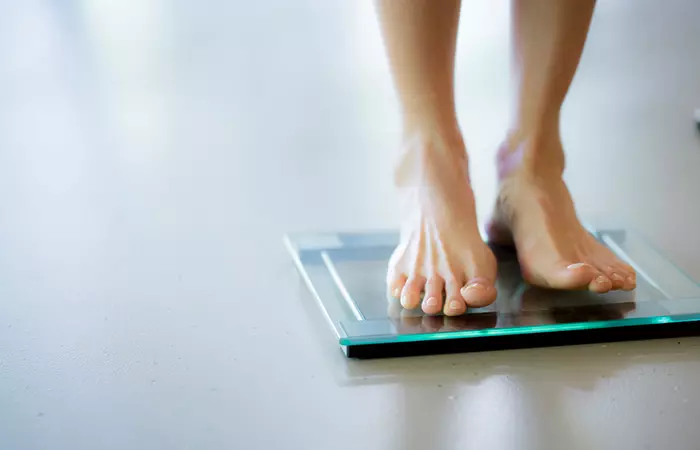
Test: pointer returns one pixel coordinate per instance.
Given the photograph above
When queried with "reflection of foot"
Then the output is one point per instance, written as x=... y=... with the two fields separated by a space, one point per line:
x=413 y=321
x=592 y=313
x=441 y=250
x=546 y=307
x=535 y=212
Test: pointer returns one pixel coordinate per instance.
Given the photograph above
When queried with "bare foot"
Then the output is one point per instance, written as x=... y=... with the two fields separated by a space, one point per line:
x=441 y=253
x=535 y=211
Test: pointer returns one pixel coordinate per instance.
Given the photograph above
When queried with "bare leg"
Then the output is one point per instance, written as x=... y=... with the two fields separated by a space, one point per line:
x=534 y=208
x=440 y=249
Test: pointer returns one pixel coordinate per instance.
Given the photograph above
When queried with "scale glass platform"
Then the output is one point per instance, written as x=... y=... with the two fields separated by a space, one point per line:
x=345 y=272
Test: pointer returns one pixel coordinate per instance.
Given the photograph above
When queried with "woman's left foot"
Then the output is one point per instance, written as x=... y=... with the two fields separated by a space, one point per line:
x=535 y=212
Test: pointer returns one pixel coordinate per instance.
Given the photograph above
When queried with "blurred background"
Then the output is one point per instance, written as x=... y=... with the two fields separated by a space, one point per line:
x=154 y=152
x=276 y=111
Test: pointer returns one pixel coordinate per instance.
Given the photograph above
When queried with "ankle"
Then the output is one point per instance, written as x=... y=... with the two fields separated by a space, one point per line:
x=430 y=155
x=536 y=153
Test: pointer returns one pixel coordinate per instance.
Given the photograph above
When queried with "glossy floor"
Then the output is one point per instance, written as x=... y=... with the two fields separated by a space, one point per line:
x=152 y=155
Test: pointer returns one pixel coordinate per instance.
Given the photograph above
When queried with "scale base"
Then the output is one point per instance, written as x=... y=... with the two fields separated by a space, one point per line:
x=345 y=273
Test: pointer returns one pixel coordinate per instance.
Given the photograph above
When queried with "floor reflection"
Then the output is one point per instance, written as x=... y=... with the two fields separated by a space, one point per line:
x=525 y=399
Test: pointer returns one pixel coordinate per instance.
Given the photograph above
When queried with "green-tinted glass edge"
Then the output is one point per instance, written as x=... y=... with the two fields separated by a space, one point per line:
x=517 y=330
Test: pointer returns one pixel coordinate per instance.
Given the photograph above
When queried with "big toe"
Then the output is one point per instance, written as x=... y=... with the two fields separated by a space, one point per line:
x=566 y=276
x=479 y=292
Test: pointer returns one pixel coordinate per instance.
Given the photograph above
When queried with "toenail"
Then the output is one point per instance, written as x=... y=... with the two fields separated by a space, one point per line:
x=602 y=280
x=455 y=304
x=576 y=266
x=474 y=287
x=616 y=277
x=631 y=280
x=396 y=293
x=432 y=301
x=404 y=300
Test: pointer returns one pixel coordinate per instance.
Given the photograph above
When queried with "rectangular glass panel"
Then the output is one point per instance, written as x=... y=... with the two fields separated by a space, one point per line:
x=346 y=274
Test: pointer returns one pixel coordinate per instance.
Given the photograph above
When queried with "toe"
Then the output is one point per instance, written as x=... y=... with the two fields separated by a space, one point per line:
x=616 y=276
x=479 y=292
x=566 y=276
x=618 y=281
x=454 y=302
x=629 y=275
x=620 y=274
x=410 y=296
x=395 y=283
x=600 y=284
x=432 y=300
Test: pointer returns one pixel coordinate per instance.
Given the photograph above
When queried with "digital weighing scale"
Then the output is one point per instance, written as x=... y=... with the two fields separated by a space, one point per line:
x=345 y=272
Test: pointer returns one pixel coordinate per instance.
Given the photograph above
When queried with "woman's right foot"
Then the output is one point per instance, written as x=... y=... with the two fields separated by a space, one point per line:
x=441 y=262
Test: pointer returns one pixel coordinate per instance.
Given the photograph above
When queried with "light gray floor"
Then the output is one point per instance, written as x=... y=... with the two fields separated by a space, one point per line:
x=152 y=154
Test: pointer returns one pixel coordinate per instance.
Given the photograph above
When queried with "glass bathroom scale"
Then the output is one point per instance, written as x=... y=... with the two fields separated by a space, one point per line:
x=345 y=273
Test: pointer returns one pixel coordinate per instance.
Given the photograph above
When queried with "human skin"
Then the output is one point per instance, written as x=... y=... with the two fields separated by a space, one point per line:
x=442 y=262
